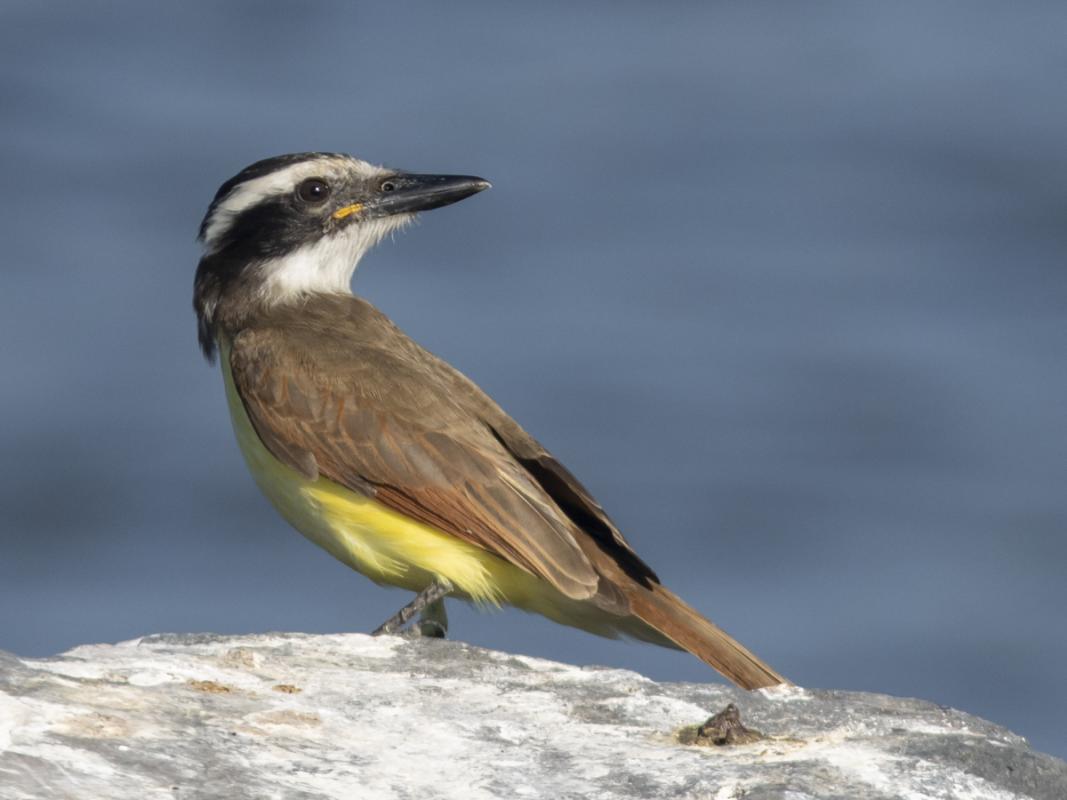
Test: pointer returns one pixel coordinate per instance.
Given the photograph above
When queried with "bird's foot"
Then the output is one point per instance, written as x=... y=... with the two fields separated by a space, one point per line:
x=429 y=605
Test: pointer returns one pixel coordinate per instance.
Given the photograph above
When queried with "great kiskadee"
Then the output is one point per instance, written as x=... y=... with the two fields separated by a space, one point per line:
x=382 y=453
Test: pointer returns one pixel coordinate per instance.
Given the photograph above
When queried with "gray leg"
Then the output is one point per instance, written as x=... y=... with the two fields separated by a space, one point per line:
x=424 y=600
x=433 y=621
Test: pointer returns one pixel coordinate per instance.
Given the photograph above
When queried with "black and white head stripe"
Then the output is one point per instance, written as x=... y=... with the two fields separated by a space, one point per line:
x=295 y=225
x=261 y=237
x=270 y=179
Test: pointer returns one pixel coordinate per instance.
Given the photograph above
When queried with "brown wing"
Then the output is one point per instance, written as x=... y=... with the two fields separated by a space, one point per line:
x=571 y=496
x=394 y=422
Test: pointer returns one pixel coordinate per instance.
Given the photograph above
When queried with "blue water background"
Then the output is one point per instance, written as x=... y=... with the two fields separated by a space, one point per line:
x=784 y=283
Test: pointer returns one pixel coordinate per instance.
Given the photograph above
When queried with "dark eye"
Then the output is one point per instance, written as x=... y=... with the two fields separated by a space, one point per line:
x=388 y=186
x=313 y=190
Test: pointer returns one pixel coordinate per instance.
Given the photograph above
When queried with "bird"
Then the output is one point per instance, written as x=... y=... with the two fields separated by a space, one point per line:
x=382 y=453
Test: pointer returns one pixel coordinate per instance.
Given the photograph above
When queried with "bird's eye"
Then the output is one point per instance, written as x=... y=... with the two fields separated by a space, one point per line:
x=388 y=186
x=313 y=190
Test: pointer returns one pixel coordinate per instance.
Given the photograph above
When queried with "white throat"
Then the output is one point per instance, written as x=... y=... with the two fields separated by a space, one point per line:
x=326 y=266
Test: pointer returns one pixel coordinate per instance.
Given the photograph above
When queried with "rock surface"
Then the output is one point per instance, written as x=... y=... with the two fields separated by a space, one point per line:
x=349 y=716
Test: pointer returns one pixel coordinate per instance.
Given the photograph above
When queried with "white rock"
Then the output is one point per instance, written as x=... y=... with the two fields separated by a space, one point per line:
x=350 y=716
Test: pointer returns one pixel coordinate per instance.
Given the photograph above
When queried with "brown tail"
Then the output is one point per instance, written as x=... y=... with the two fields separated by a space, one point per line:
x=670 y=620
x=668 y=614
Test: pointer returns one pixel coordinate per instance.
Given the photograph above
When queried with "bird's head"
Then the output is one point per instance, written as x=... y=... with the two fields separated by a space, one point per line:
x=298 y=224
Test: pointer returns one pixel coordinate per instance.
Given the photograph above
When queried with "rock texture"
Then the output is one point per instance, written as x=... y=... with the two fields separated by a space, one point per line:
x=349 y=716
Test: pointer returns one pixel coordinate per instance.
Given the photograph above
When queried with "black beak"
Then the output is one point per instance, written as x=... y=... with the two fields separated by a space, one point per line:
x=405 y=194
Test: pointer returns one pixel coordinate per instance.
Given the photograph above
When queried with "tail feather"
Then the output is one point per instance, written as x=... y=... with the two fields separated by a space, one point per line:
x=671 y=616
x=666 y=619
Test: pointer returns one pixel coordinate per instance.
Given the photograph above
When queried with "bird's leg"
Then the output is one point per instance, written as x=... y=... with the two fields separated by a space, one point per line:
x=433 y=621
x=431 y=595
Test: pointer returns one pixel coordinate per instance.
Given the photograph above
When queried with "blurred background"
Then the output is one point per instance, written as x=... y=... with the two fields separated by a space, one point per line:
x=783 y=284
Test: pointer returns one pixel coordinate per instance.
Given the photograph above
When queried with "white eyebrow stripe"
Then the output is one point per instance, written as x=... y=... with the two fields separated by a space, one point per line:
x=250 y=193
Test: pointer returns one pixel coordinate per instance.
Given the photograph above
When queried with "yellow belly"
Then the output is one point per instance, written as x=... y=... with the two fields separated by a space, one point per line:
x=395 y=550
x=384 y=545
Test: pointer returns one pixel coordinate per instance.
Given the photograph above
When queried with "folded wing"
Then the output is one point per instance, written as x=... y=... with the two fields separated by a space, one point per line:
x=384 y=427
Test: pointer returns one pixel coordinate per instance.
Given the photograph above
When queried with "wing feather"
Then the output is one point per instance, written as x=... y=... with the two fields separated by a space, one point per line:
x=384 y=425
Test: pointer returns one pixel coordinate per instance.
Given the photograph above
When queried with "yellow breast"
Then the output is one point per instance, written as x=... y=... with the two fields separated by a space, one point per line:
x=395 y=550
x=382 y=544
